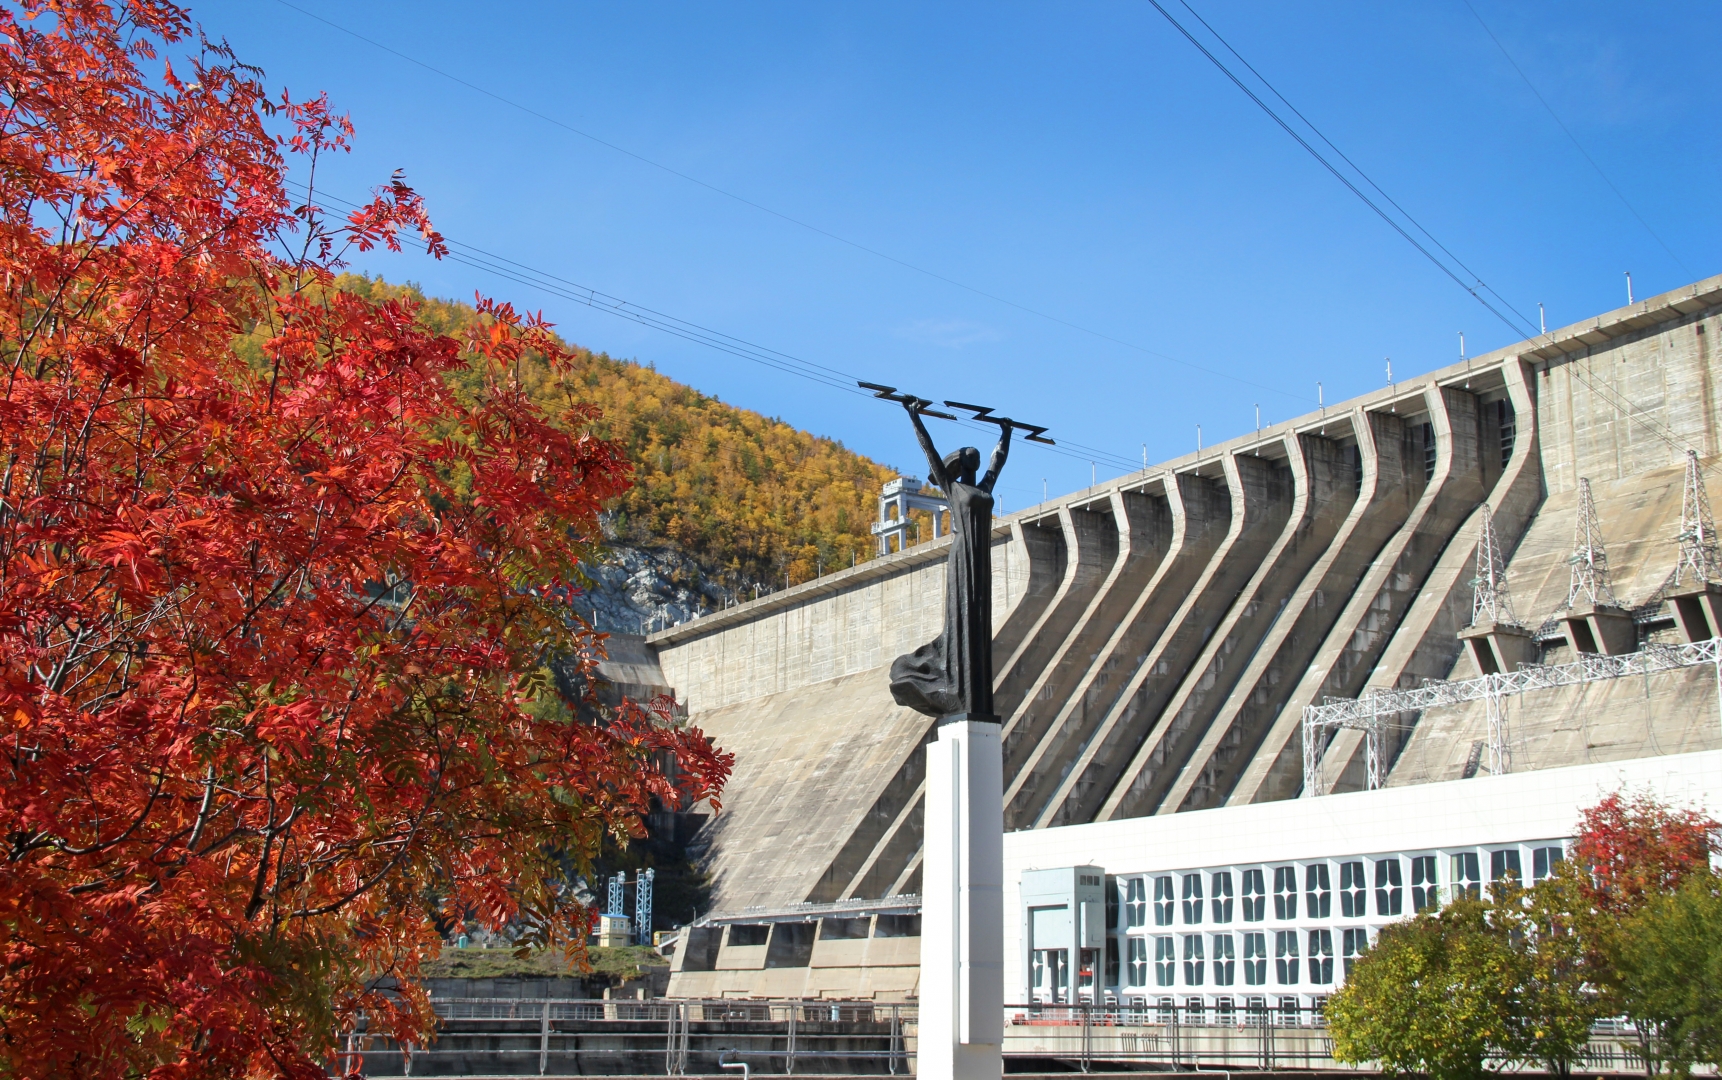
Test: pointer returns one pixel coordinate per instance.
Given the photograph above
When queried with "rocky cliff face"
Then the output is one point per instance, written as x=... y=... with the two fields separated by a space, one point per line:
x=640 y=590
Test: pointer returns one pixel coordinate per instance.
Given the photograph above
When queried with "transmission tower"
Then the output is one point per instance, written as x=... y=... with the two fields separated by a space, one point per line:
x=1589 y=560
x=1698 y=551
x=1490 y=600
x=616 y=898
x=643 y=906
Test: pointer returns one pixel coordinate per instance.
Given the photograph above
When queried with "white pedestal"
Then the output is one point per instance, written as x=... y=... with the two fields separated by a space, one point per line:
x=962 y=906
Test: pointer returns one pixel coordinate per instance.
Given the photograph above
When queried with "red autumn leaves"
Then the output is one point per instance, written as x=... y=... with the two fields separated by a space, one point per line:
x=274 y=622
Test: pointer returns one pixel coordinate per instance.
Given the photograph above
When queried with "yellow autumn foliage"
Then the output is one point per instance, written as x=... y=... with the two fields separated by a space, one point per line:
x=748 y=496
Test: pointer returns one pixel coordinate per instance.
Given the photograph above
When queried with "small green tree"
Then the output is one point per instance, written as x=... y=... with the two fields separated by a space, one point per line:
x=1436 y=995
x=1556 y=1002
x=1668 y=967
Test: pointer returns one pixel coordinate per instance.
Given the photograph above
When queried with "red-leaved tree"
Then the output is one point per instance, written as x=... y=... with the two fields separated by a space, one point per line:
x=1632 y=848
x=273 y=623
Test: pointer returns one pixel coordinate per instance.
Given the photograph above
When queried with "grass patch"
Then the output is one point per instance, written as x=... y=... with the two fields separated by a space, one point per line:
x=612 y=965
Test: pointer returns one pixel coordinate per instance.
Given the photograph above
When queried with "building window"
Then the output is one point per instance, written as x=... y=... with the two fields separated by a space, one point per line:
x=1222 y=897
x=1423 y=891
x=1163 y=901
x=1225 y=960
x=1509 y=429
x=1165 y=961
x=1544 y=860
x=1353 y=891
x=1195 y=1010
x=1225 y=1012
x=1285 y=892
x=1255 y=896
x=1503 y=863
x=1429 y=452
x=1318 y=891
x=1256 y=959
x=1192 y=899
x=1285 y=957
x=1166 y=1010
x=1193 y=960
x=1355 y=943
x=1256 y=1010
x=1112 y=961
x=1138 y=961
x=1467 y=879
x=1114 y=909
x=1136 y=904
x=1321 y=957
x=1389 y=891
x=1289 y=1012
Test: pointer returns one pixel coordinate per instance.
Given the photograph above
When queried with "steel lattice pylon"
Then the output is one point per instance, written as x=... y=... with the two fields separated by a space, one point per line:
x=1490 y=600
x=1370 y=712
x=643 y=906
x=1698 y=549
x=1589 y=559
x=616 y=897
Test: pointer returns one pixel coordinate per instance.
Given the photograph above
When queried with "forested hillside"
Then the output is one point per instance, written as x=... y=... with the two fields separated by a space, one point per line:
x=747 y=497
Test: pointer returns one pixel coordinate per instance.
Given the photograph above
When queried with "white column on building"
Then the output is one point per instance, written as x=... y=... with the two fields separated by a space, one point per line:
x=961 y=1025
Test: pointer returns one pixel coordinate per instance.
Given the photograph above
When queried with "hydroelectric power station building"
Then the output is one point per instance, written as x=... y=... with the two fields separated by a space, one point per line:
x=1258 y=701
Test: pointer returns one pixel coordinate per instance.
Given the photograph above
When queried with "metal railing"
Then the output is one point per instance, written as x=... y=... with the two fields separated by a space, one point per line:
x=1260 y=1034
x=662 y=1036
x=675 y=1037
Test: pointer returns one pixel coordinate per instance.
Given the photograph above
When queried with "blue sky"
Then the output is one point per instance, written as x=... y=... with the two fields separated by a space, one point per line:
x=1082 y=161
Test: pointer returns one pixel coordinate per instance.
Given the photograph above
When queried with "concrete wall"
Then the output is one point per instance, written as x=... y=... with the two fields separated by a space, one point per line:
x=1157 y=636
x=843 y=623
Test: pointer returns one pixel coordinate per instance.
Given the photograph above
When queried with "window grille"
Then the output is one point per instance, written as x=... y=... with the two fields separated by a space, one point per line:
x=1321 y=957
x=1225 y=960
x=1138 y=961
x=1285 y=892
x=1503 y=863
x=1222 y=902
x=1353 y=895
x=1429 y=452
x=1285 y=957
x=1389 y=891
x=1256 y=1009
x=1192 y=899
x=1136 y=904
x=1225 y=1012
x=1163 y=901
x=1318 y=891
x=1467 y=880
x=1112 y=961
x=1289 y=1012
x=1165 y=961
x=1509 y=429
x=1544 y=860
x=1255 y=896
x=1195 y=1010
x=1193 y=960
x=1354 y=944
x=1255 y=959
x=1424 y=892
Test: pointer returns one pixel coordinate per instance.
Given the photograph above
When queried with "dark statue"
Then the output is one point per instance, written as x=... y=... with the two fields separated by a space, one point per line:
x=953 y=674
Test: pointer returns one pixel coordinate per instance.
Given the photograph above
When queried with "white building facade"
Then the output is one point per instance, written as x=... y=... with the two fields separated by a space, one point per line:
x=1258 y=908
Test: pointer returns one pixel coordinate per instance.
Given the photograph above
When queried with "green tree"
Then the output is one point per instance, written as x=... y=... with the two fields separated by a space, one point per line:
x=1668 y=969
x=1556 y=1002
x=1437 y=994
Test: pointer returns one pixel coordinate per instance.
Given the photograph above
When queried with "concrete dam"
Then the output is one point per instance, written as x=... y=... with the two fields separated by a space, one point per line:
x=1158 y=637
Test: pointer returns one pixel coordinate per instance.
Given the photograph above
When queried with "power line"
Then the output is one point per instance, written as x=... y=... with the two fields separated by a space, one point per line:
x=1576 y=144
x=833 y=378
x=996 y=298
x=1337 y=174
